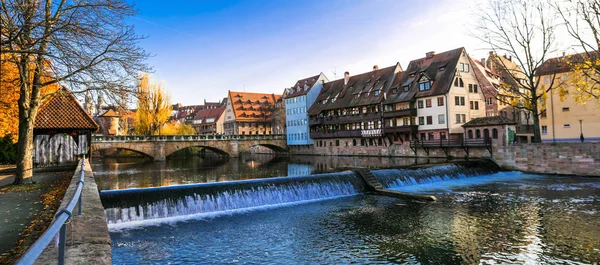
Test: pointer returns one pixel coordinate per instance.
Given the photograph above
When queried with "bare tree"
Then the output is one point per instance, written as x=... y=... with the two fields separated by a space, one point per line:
x=83 y=45
x=524 y=31
x=582 y=21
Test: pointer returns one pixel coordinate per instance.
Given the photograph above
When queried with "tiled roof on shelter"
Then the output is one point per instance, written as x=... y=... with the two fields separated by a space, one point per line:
x=562 y=64
x=361 y=90
x=203 y=115
x=63 y=111
x=488 y=121
x=252 y=106
x=302 y=86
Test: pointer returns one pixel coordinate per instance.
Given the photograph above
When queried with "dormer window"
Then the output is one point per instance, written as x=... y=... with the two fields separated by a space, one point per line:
x=424 y=86
x=442 y=68
x=405 y=88
x=376 y=93
x=394 y=90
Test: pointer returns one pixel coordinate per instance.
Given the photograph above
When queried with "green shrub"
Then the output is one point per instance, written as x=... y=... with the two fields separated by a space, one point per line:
x=8 y=150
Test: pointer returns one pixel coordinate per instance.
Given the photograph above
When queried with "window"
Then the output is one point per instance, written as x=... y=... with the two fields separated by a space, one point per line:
x=423 y=136
x=440 y=101
x=376 y=93
x=544 y=129
x=476 y=105
x=477 y=134
x=441 y=119
x=566 y=109
x=421 y=120
x=462 y=101
x=424 y=86
x=470 y=88
x=461 y=67
x=420 y=104
x=475 y=89
x=430 y=136
x=428 y=103
x=443 y=135
x=429 y=120
x=394 y=90
x=546 y=80
x=470 y=134
x=457 y=118
x=467 y=67
x=543 y=114
x=490 y=101
x=461 y=82
x=495 y=133
x=567 y=126
x=456 y=82
x=471 y=104
x=405 y=88
x=337 y=142
x=353 y=142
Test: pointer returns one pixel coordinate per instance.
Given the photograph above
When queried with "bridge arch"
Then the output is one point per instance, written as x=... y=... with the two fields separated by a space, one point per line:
x=176 y=148
x=273 y=147
x=100 y=147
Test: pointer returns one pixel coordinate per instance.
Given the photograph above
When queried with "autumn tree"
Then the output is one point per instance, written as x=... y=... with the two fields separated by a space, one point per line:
x=524 y=31
x=83 y=45
x=582 y=21
x=175 y=128
x=154 y=107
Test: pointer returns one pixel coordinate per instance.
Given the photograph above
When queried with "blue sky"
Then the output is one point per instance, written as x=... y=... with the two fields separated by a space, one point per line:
x=202 y=49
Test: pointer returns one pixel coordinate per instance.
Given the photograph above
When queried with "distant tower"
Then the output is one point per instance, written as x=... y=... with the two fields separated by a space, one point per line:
x=100 y=105
x=88 y=105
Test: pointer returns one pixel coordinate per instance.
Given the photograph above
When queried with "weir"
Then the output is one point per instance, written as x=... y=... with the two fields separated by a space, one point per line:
x=143 y=204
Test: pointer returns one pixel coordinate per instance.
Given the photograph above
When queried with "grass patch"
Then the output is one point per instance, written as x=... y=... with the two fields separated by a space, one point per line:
x=22 y=187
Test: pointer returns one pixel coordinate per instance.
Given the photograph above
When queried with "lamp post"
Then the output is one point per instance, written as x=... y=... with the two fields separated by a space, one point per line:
x=581 y=131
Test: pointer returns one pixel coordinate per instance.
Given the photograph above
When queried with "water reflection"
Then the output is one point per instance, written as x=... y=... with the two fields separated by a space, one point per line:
x=123 y=173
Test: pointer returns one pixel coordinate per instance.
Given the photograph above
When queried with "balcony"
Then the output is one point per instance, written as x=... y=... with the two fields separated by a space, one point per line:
x=402 y=129
x=336 y=134
x=371 y=133
x=400 y=113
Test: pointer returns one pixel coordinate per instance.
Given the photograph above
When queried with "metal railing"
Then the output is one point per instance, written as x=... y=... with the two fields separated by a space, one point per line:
x=467 y=142
x=58 y=227
x=145 y=138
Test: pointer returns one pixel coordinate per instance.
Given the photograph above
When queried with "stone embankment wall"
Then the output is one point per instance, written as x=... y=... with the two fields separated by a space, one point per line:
x=88 y=241
x=582 y=159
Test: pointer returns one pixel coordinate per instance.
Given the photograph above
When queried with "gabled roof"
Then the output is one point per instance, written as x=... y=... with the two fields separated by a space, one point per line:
x=359 y=91
x=302 y=86
x=485 y=77
x=63 y=111
x=251 y=106
x=203 y=115
x=432 y=68
x=488 y=121
x=563 y=64
x=109 y=113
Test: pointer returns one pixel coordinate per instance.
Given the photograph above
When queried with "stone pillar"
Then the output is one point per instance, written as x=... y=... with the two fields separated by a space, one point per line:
x=159 y=151
x=234 y=148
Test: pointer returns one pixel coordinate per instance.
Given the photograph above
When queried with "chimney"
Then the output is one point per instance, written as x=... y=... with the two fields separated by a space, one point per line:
x=375 y=67
x=429 y=55
x=483 y=62
x=346 y=77
x=564 y=54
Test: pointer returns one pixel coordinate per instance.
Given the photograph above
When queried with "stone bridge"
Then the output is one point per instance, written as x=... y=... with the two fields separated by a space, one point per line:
x=159 y=147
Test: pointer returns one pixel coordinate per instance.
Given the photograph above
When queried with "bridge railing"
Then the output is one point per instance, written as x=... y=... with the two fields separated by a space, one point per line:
x=154 y=138
x=57 y=228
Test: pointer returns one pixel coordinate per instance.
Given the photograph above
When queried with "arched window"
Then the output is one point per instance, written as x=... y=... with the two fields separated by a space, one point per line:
x=470 y=134
x=495 y=133
x=353 y=142
x=461 y=82
x=477 y=134
x=486 y=134
x=456 y=81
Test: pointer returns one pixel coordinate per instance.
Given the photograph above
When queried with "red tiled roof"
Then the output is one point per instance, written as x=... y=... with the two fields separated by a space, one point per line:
x=249 y=106
x=204 y=114
x=562 y=64
x=488 y=121
x=62 y=111
x=109 y=113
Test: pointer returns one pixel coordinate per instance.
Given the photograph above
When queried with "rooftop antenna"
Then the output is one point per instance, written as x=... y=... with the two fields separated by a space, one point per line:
x=334 y=72
x=244 y=88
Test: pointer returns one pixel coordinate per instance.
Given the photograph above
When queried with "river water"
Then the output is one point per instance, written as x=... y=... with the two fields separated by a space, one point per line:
x=481 y=216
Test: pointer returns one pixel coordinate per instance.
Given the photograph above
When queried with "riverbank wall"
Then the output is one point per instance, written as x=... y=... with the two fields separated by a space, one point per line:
x=582 y=159
x=88 y=240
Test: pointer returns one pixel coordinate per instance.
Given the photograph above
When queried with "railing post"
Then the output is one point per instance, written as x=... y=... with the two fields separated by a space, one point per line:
x=62 y=242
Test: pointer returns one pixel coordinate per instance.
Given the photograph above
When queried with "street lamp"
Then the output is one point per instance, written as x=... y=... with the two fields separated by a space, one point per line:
x=581 y=131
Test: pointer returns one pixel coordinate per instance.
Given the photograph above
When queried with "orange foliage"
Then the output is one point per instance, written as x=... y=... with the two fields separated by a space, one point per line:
x=9 y=96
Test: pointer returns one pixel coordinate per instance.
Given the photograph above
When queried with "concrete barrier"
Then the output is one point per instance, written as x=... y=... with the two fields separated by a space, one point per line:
x=88 y=240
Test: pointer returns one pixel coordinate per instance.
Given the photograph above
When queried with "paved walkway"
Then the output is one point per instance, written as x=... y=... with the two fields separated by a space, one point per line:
x=20 y=205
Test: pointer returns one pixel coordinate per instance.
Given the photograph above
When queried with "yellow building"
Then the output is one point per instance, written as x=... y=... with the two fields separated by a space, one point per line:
x=565 y=120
